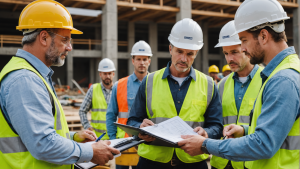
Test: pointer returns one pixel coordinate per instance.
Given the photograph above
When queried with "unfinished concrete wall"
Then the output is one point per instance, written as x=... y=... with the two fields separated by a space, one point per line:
x=131 y=41
x=110 y=32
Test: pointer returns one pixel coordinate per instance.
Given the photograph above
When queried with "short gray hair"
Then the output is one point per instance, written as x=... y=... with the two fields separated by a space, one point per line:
x=30 y=38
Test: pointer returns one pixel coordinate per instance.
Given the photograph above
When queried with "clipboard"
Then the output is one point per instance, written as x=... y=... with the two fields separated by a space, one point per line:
x=136 y=131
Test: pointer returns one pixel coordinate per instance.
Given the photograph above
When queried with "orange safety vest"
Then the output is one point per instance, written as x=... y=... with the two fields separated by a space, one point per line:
x=122 y=106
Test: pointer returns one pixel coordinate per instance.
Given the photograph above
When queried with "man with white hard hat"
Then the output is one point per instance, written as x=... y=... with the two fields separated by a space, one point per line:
x=97 y=99
x=124 y=92
x=238 y=90
x=273 y=138
x=177 y=90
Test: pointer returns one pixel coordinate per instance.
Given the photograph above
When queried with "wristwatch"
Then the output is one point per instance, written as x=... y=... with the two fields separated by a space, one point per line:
x=203 y=147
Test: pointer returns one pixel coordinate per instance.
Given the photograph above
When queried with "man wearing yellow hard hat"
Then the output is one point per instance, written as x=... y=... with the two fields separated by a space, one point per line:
x=213 y=71
x=226 y=70
x=34 y=132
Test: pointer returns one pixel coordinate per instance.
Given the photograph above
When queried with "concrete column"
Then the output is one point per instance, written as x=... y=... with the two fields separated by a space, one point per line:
x=131 y=41
x=205 y=48
x=93 y=70
x=153 y=44
x=69 y=60
x=296 y=29
x=198 y=61
x=185 y=7
x=110 y=32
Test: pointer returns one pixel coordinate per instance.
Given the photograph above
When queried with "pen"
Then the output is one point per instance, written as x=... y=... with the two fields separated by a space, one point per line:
x=224 y=137
x=99 y=138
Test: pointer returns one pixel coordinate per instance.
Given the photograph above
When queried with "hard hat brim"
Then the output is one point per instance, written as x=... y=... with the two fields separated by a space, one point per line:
x=187 y=46
x=109 y=70
x=141 y=54
x=227 y=44
x=73 y=30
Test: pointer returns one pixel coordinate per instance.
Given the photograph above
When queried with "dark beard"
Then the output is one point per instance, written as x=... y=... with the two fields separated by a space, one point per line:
x=258 y=56
x=108 y=83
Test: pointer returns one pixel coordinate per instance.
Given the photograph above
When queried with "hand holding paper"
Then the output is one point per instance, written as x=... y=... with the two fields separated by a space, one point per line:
x=103 y=152
x=192 y=144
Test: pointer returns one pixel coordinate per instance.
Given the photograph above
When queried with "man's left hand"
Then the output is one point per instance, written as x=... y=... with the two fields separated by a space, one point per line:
x=201 y=132
x=192 y=144
x=84 y=136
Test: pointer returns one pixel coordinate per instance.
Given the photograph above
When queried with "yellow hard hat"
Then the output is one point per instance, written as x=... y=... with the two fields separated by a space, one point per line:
x=226 y=67
x=42 y=14
x=213 y=69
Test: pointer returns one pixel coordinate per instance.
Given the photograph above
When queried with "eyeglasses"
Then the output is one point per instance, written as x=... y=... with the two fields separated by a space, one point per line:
x=66 y=40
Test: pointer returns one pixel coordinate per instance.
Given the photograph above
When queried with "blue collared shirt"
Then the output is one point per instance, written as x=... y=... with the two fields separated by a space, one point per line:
x=133 y=85
x=26 y=104
x=241 y=88
x=280 y=109
x=213 y=115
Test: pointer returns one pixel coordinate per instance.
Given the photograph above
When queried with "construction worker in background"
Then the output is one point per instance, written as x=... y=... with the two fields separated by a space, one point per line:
x=124 y=92
x=177 y=90
x=238 y=90
x=213 y=71
x=34 y=132
x=226 y=70
x=273 y=136
x=97 y=99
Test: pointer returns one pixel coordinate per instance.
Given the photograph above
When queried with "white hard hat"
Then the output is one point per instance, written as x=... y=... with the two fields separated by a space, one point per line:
x=225 y=38
x=141 y=48
x=106 y=65
x=186 y=34
x=260 y=13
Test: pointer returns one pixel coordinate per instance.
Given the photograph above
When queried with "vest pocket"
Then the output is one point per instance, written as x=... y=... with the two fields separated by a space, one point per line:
x=197 y=110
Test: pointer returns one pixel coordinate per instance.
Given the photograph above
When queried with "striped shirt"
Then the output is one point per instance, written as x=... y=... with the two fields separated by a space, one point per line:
x=87 y=105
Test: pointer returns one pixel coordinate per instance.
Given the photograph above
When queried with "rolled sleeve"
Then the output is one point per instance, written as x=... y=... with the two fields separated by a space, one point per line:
x=112 y=114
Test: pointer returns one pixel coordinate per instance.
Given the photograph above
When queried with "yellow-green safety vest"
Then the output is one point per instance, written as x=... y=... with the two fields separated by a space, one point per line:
x=160 y=107
x=13 y=153
x=230 y=113
x=287 y=157
x=99 y=107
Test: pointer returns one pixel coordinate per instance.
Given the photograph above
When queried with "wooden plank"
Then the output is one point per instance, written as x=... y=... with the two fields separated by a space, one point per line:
x=130 y=13
x=144 y=15
x=15 y=2
x=101 y=2
x=165 y=17
x=217 y=2
x=148 y=6
x=15 y=7
x=199 y=18
x=289 y=4
x=211 y=13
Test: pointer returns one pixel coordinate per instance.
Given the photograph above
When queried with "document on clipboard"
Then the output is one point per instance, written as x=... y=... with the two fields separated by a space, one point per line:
x=167 y=133
x=120 y=144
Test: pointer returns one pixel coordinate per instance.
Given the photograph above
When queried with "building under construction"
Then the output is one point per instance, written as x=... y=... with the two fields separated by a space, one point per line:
x=124 y=22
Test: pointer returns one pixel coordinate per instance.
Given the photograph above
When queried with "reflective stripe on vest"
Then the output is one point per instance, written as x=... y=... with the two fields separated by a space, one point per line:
x=11 y=145
x=160 y=106
x=99 y=107
x=122 y=106
x=233 y=119
x=288 y=154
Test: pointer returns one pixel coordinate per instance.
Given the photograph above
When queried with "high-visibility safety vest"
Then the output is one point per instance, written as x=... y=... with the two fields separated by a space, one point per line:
x=122 y=106
x=288 y=154
x=161 y=107
x=13 y=153
x=230 y=113
x=99 y=107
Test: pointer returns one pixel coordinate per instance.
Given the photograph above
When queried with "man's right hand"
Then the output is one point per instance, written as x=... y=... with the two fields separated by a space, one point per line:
x=146 y=123
x=102 y=152
x=91 y=128
x=233 y=131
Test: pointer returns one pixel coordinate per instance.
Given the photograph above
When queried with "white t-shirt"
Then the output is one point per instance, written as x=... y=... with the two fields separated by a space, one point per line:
x=243 y=79
x=178 y=79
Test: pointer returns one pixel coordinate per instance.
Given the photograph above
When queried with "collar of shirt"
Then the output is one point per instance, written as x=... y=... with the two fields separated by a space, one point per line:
x=45 y=71
x=276 y=61
x=249 y=77
x=133 y=77
x=168 y=73
x=103 y=87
